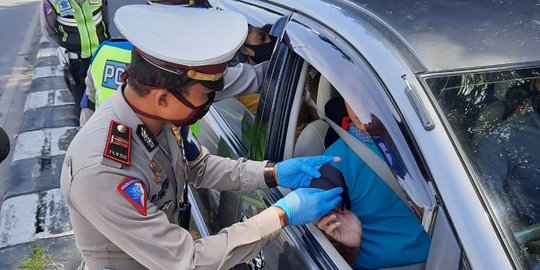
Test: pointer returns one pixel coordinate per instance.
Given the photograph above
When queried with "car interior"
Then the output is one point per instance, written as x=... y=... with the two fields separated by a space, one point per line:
x=317 y=135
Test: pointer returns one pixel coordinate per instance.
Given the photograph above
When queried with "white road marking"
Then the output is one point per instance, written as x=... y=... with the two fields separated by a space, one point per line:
x=19 y=218
x=47 y=71
x=48 y=98
x=56 y=215
x=41 y=143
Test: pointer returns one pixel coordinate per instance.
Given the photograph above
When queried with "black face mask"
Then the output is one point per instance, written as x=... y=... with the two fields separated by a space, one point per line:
x=196 y=114
x=262 y=52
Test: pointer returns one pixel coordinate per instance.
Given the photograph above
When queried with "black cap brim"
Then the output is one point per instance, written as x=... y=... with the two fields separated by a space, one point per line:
x=214 y=85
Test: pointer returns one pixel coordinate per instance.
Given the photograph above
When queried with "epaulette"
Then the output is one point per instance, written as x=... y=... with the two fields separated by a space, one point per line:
x=118 y=145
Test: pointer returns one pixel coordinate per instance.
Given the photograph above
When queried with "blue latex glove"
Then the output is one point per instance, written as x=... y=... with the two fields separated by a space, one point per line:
x=297 y=172
x=306 y=205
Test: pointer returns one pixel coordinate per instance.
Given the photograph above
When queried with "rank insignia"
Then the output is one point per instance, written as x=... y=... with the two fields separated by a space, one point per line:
x=158 y=171
x=135 y=192
x=146 y=137
x=118 y=146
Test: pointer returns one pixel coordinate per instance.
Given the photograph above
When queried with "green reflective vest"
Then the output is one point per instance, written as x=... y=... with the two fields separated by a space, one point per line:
x=81 y=26
x=108 y=64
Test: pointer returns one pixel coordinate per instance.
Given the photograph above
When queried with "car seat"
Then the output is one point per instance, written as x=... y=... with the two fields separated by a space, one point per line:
x=311 y=140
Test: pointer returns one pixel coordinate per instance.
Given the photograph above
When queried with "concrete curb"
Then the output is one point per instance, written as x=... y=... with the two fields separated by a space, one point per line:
x=33 y=208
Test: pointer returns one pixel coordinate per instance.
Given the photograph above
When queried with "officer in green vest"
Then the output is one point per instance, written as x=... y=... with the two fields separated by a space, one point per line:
x=104 y=74
x=79 y=26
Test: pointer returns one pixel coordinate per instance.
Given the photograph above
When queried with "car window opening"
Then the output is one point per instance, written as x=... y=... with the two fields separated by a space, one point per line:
x=319 y=138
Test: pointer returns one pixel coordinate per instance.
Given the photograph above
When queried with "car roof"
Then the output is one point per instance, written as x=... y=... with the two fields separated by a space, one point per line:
x=449 y=35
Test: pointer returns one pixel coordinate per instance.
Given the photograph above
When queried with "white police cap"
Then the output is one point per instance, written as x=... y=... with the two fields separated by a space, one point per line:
x=197 y=41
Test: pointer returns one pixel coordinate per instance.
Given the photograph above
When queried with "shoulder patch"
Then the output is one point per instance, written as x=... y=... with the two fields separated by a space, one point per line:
x=135 y=192
x=47 y=9
x=118 y=145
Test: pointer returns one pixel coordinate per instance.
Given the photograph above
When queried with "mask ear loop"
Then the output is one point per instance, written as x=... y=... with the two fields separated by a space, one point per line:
x=179 y=96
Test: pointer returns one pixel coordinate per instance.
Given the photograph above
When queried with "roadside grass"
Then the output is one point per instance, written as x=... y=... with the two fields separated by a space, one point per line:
x=39 y=259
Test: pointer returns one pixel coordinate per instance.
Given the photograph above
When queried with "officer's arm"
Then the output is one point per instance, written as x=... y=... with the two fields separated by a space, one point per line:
x=48 y=20
x=147 y=235
x=89 y=94
x=242 y=79
x=90 y=86
x=209 y=171
x=221 y=173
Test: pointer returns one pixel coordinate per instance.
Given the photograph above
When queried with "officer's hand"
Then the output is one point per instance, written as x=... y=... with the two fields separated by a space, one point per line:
x=297 y=172
x=306 y=205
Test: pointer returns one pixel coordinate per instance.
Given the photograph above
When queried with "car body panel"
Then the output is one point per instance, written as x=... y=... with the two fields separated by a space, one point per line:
x=441 y=35
x=395 y=57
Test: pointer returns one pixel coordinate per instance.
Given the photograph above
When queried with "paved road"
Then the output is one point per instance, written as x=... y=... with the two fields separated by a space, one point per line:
x=19 y=35
x=38 y=113
x=18 y=32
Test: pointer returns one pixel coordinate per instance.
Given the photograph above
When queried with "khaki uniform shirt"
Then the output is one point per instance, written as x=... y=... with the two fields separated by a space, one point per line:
x=112 y=233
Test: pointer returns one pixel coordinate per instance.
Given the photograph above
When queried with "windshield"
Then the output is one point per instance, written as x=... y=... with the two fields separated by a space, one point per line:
x=495 y=117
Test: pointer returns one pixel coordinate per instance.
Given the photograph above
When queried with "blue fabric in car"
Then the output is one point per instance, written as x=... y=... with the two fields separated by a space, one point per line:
x=392 y=235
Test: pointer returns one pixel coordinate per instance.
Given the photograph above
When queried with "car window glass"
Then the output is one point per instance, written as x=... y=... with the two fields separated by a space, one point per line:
x=372 y=201
x=357 y=84
x=496 y=122
x=239 y=112
x=238 y=118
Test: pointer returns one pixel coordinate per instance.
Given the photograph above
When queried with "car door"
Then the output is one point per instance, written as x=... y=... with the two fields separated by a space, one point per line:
x=229 y=130
x=304 y=41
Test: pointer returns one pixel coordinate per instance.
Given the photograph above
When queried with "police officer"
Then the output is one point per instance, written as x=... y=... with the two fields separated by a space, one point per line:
x=79 y=26
x=111 y=57
x=125 y=173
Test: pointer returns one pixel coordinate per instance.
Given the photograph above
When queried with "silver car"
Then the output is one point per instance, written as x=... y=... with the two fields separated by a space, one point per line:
x=452 y=89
